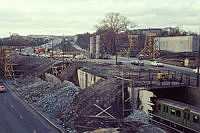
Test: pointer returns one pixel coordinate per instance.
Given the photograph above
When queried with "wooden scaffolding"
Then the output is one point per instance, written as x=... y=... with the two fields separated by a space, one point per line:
x=133 y=42
x=151 y=48
x=6 y=62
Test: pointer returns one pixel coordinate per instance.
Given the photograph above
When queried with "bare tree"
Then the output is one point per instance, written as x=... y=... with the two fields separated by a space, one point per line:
x=115 y=23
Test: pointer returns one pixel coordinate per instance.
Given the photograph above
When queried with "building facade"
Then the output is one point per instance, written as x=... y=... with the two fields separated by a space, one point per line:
x=178 y=43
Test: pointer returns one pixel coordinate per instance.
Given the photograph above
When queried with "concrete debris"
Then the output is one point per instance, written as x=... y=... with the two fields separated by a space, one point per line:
x=138 y=115
x=51 y=78
x=150 y=129
x=49 y=98
x=56 y=102
x=104 y=130
x=141 y=116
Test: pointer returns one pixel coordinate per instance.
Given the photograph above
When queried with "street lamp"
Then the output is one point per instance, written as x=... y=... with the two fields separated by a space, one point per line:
x=198 y=60
x=116 y=42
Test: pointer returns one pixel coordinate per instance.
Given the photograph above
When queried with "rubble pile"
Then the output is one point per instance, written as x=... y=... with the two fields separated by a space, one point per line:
x=49 y=98
x=83 y=105
x=55 y=102
x=141 y=116
x=138 y=115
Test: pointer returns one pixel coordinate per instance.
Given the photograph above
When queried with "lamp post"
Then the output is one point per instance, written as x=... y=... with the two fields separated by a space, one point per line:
x=116 y=42
x=198 y=63
x=52 y=46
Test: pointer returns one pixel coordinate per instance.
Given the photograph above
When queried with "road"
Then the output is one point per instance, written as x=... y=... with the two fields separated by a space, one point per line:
x=17 y=117
x=147 y=63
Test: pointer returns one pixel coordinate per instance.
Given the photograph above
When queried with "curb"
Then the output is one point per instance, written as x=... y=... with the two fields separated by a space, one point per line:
x=35 y=110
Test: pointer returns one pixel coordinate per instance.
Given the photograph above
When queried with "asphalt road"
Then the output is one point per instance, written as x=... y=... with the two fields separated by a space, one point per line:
x=17 y=117
x=147 y=63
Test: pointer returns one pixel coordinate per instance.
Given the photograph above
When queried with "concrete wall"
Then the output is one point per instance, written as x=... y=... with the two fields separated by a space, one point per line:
x=87 y=79
x=141 y=98
x=92 y=47
x=97 y=46
x=51 y=78
x=179 y=43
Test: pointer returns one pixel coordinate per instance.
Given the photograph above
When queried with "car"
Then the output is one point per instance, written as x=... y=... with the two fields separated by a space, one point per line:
x=195 y=70
x=2 y=89
x=66 y=59
x=137 y=62
x=80 y=57
x=140 y=56
x=157 y=64
x=107 y=57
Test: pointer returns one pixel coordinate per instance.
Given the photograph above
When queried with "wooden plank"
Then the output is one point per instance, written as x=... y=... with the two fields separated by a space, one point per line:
x=103 y=117
x=105 y=111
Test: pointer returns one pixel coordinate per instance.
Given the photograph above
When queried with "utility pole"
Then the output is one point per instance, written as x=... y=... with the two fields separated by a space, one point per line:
x=63 y=47
x=116 y=42
x=122 y=93
x=198 y=61
x=51 y=45
x=198 y=65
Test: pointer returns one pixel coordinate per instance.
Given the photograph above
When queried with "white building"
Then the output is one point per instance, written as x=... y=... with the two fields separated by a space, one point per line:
x=179 y=43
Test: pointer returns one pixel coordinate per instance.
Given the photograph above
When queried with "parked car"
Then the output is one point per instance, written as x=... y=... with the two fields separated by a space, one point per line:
x=2 y=89
x=137 y=62
x=195 y=70
x=157 y=64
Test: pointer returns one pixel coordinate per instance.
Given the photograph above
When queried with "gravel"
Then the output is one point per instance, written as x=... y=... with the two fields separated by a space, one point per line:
x=142 y=117
x=49 y=98
x=54 y=103
x=138 y=115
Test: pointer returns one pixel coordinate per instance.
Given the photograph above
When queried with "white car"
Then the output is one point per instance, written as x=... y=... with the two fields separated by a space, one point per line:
x=195 y=70
x=157 y=64
x=80 y=57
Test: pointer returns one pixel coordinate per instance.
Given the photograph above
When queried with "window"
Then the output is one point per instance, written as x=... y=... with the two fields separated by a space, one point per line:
x=165 y=108
x=186 y=116
x=195 y=118
x=173 y=112
x=178 y=113
x=159 y=106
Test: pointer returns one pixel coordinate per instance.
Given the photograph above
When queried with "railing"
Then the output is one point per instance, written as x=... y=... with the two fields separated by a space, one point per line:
x=172 y=78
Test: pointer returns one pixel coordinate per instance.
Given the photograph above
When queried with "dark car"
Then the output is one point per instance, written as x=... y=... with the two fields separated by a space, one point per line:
x=137 y=62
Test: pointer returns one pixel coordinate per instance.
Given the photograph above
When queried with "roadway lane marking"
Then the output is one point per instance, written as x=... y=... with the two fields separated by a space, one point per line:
x=34 y=131
x=21 y=117
x=12 y=106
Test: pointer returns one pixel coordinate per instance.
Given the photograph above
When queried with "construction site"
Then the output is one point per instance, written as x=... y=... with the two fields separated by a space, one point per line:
x=90 y=93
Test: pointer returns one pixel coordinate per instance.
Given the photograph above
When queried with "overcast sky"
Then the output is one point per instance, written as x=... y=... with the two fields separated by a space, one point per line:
x=70 y=17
